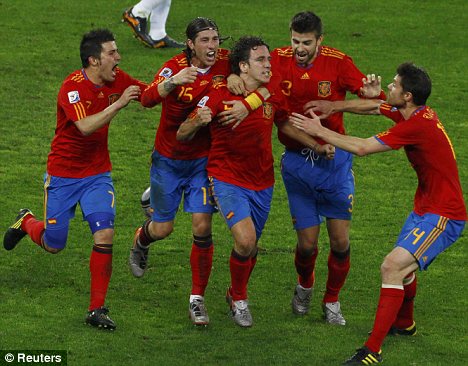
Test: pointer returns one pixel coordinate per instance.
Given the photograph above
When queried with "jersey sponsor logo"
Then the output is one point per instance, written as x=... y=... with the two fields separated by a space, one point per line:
x=100 y=95
x=324 y=88
x=166 y=72
x=73 y=97
x=267 y=110
x=113 y=98
x=204 y=82
x=203 y=101
x=305 y=76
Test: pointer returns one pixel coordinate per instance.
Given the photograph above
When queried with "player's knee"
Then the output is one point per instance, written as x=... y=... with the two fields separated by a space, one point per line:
x=245 y=246
x=201 y=225
x=388 y=267
x=160 y=230
x=307 y=247
x=339 y=244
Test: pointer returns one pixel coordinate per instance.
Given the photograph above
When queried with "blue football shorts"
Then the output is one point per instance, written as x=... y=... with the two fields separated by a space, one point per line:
x=317 y=187
x=236 y=203
x=426 y=236
x=170 y=179
x=95 y=194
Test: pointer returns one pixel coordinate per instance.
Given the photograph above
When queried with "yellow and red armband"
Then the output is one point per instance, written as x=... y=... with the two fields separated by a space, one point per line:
x=253 y=101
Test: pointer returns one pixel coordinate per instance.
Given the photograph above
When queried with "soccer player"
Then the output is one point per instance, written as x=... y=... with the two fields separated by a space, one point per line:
x=317 y=188
x=153 y=35
x=78 y=165
x=240 y=162
x=179 y=168
x=439 y=213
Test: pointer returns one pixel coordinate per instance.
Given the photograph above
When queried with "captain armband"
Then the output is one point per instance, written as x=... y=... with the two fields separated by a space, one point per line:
x=253 y=101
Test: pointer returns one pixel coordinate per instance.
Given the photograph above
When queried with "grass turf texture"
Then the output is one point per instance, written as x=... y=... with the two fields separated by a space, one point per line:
x=43 y=298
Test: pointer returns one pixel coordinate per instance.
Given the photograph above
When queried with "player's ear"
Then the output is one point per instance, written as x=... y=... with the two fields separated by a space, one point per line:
x=93 y=61
x=243 y=66
x=319 y=40
x=408 y=96
x=190 y=44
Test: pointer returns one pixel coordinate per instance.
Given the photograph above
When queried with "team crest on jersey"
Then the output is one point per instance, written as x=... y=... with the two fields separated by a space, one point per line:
x=166 y=72
x=324 y=88
x=267 y=110
x=203 y=101
x=113 y=98
x=73 y=97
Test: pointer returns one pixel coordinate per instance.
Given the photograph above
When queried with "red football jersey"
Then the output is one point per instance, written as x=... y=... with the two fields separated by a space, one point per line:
x=179 y=103
x=243 y=156
x=73 y=155
x=329 y=77
x=431 y=155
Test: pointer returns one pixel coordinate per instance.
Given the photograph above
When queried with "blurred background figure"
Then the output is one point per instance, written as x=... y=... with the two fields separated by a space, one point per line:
x=152 y=35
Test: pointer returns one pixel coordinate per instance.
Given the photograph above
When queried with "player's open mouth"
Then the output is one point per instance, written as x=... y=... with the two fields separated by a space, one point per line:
x=211 y=55
x=113 y=70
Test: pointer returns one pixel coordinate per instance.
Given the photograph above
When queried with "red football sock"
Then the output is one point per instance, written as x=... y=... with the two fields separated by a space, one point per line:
x=405 y=315
x=201 y=260
x=100 y=266
x=240 y=270
x=338 y=268
x=305 y=267
x=389 y=303
x=253 y=262
x=34 y=228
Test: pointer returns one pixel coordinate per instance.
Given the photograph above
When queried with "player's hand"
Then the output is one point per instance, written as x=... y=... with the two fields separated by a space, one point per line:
x=236 y=86
x=327 y=151
x=131 y=93
x=371 y=86
x=235 y=115
x=203 y=116
x=324 y=107
x=185 y=76
x=310 y=126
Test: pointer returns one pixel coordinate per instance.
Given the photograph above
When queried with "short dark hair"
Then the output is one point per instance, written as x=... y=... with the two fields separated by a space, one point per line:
x=240 y=52
x=91 y=44
x=196 y=26
x=306 y=22
x=415 y=79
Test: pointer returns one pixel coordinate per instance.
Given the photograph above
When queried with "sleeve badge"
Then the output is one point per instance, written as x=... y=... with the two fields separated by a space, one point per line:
x=73 y=97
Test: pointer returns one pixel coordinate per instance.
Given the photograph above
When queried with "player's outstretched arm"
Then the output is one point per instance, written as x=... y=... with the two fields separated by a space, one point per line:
x=94 y=122
x=354 y=145
x=357 y=106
